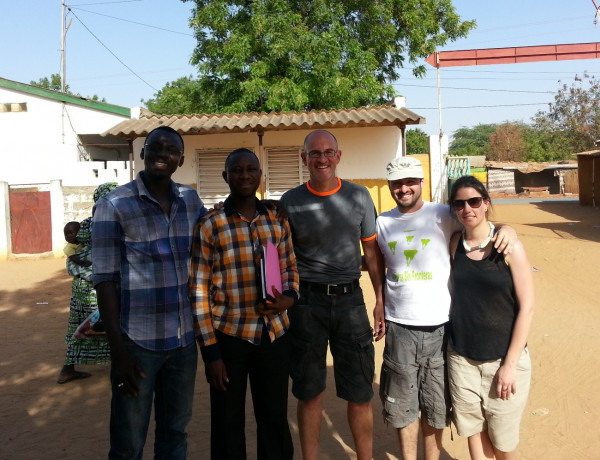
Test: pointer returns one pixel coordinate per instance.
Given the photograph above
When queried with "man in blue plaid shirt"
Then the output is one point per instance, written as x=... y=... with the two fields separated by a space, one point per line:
x=141 y=242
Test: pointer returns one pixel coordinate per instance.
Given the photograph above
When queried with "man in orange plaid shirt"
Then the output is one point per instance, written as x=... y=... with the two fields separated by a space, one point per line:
x=240 y=334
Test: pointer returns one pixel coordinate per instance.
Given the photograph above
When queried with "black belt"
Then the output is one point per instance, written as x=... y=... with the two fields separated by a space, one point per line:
x=422 y=328
x=330 y=289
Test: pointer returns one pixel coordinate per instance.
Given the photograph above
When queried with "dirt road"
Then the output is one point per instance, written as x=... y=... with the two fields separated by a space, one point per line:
x=40 y=419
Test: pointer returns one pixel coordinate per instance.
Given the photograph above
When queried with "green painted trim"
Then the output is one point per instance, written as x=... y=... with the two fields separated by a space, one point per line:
x=67 y=98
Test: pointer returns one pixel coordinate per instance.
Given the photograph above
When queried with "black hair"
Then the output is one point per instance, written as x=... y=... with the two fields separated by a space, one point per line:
x=238 y=152
x=73 y=222
x=166 y=129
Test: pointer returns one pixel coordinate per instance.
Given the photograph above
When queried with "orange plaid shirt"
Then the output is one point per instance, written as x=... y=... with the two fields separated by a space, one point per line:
x=224 y=286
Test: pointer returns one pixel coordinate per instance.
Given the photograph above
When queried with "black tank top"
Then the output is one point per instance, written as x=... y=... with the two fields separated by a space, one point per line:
x=484 y=306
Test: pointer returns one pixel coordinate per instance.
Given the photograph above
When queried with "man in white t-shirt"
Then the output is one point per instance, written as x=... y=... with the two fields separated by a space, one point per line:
x=414 y=239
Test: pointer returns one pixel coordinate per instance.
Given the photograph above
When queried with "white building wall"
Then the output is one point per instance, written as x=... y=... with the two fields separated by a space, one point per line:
x=367 y=151
x=40 y=144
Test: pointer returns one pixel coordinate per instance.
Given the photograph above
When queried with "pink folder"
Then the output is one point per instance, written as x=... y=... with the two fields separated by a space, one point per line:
x=271 y=273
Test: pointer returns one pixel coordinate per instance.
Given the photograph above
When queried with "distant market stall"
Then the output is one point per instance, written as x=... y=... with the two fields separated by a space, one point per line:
x=514 y=177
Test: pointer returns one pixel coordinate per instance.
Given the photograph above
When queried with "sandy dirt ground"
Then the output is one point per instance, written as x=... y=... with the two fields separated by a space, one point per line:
x=40 y=419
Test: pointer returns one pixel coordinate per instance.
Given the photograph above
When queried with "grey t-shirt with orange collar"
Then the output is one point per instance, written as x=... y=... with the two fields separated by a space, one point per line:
x=327 y=229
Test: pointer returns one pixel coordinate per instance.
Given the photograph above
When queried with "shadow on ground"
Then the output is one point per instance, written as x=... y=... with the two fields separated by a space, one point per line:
x=41 y=419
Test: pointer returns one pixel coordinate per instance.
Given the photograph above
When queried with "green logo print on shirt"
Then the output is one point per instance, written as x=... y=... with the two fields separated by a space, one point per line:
x=410 y=255
x=392 y=246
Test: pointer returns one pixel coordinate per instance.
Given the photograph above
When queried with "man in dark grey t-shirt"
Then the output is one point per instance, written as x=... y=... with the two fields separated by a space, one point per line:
x=329 y=217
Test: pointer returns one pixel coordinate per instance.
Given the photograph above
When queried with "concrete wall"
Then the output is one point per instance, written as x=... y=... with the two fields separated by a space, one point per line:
x=77 y=203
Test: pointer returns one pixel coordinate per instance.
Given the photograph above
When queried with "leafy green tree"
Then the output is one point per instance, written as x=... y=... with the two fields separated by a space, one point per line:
x=544 y=145
x=417 y=141
x=54 y=83
x=573 y=120
x=181 y=96
x=514 y=141
x=266 y=55
x=472 y=141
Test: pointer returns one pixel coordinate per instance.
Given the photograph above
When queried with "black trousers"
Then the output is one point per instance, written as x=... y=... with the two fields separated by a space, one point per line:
x=267 y=367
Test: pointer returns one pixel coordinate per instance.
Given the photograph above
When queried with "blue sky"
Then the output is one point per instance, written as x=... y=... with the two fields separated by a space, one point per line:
x=125 y=51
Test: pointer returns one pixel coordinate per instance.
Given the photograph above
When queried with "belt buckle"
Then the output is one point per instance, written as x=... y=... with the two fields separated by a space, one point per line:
x=329 y=286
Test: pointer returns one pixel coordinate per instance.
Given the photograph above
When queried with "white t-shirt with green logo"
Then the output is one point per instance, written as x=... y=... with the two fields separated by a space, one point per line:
x=415 y=248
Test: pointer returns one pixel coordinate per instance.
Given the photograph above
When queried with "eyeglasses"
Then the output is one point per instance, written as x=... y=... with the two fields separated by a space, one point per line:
x=330 y=153
x=474 y=202
x=155 y=148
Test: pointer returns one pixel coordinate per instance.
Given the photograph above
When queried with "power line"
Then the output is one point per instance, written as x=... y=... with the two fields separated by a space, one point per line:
x=107 y=3
x=136 y=23
x=519 y=37
x=530 y=24
x=476 y=89
x=479 y=106
x=113 y=54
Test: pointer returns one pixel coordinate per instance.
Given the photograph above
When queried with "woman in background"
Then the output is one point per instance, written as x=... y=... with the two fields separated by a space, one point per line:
x=93 y=349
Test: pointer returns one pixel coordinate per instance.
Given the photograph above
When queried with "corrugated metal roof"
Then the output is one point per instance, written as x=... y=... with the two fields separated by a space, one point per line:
x=531 y=166
x=590 y=153
x=387 y=115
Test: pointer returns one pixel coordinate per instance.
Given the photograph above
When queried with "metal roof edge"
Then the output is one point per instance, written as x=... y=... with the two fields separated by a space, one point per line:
x=197 y=124
x=63 y=97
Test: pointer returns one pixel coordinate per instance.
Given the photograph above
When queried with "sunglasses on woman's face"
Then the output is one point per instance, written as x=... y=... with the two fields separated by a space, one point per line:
x=474 y=202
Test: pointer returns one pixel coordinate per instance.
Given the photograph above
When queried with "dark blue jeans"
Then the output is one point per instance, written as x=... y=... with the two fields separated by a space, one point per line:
x=170 y=379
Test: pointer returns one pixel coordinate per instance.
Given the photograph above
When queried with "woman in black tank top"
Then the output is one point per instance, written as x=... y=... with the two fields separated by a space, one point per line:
x=492 y=310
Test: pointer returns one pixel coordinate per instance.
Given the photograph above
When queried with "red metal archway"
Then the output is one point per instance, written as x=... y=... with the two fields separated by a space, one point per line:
x=514 y=55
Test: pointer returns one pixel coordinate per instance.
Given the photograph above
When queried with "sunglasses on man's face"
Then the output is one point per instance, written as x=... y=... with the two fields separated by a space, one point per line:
x=474 y=202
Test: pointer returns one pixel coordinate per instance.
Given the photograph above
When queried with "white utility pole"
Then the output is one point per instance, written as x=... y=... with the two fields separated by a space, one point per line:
x=439 y=88
x=63 y=60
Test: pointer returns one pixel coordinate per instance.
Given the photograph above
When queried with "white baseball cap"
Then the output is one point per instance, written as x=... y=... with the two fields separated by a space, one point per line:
x=404 y=168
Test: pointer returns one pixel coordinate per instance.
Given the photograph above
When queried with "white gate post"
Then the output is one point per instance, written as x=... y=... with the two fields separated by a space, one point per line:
x=57 y=207
x=5 y=236
x=437 y=166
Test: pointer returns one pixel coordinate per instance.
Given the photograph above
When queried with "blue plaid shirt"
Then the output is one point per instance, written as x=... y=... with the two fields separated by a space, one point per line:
x=147 y=254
